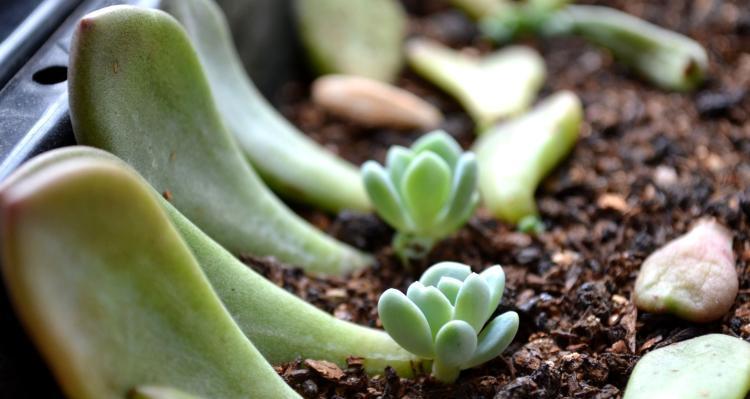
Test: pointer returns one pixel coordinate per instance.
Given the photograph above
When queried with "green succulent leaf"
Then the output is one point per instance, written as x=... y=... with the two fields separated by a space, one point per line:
x=450 y=287
x=383 y=195
x=455 y=343
x=397 y=160
x=515 y=156
x=353 y=37
x=425 y=189
x=464 y=195
x=473 y=302
x=437 y=271
x=494 y=276
x=433 y=303
x=103 y=282
x=288 y=160
x=442 y=144
x=138 y=90
x=493 y=340
x=405 y=323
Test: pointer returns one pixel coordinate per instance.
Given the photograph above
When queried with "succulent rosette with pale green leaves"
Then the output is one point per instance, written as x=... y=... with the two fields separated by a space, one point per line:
x=425 y=192
x=443 y=315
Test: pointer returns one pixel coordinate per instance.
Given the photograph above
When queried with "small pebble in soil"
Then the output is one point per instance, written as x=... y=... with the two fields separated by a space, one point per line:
x=692 y=277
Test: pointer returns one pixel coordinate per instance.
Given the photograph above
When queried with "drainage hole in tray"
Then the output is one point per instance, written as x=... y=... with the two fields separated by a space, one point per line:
x=51 y=75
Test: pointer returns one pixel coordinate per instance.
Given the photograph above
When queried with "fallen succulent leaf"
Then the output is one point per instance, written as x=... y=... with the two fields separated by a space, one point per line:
x=692 y=277
x=713 y=366
x=373 y=103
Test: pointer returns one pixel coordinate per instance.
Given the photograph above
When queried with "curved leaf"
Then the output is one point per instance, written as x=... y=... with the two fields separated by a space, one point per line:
x=425 y=189
x=396 y=161
x=464 y=193
x=494 y=276
x=437 y=271
x=405 y=323
x=450 y=287
x=494 y=339
x=473 y=302
x=455 y=343
x=383 y=195
x=442 y=144
x=433 y=303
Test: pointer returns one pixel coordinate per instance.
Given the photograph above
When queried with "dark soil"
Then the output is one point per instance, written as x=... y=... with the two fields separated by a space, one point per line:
x=647 y=165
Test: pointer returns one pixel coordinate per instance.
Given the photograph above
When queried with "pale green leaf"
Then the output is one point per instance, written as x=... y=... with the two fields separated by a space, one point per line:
x=433 y=275
x=473 y=302
x=405 y=323
x=425 y=189
x=455 y=343
x=495 y=337
x=433 y=303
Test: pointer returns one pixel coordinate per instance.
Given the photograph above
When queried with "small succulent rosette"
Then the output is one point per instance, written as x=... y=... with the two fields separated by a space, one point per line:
x=425 y=192
x=443 y=315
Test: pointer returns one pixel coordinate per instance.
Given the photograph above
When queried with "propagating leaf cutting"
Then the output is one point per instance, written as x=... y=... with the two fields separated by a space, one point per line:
x=137 y=90
x=693 y=276
x=713 y=366
x=493 y=87
x=514 y=156
x=665 y=58
x=425 y=192
x=443 y=315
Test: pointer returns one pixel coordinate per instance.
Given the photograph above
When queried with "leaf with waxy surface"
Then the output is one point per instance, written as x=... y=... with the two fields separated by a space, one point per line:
x=494 y=338
x=353 y=37
x=129 y=61
x=437 y=271
x=490 y=89
x=381 y=189
x=282 y=326
x=692 y=276
x=288 y=160
x=405 y=323
x=103 y=300
x=515 y=156
x=425 y=188
x=472 y=302
x=450 y=287
x=455 y=343
x=713 y=366
x=436 y=308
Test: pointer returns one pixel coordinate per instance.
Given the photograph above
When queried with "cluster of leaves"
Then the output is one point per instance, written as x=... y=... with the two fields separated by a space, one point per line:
x=425 y=192
x=443 y=316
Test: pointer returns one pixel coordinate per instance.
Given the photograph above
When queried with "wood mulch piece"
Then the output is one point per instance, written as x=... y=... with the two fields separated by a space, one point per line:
x=647 y=165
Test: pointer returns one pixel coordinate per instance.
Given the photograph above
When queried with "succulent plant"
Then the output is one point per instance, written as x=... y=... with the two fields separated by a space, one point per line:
x=137 y=89
x=290 y=162
x=443 y=315
x=425 y=192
